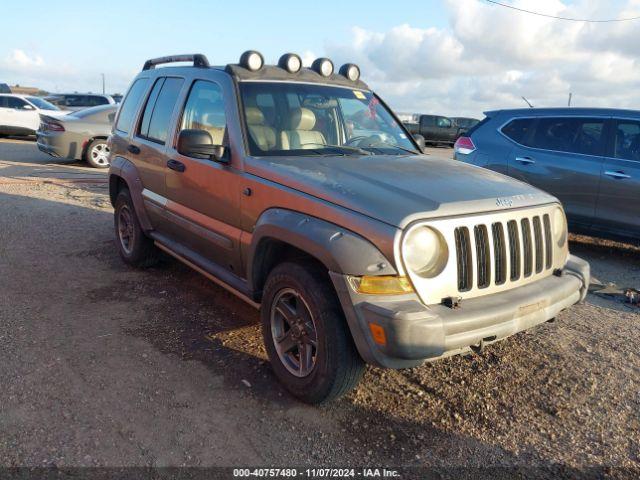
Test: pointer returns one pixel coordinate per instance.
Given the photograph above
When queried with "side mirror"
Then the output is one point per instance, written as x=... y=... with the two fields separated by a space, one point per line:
x=420 y=141
x=199 y=144
x=27 y=107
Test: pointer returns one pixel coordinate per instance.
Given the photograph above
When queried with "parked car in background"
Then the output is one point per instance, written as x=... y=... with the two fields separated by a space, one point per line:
x=435 y=129
x=587 y=157
x=20 y=114
x=464 y=124
x=4 y=88
x=78 y=101
x=358 y=248
x=81 y=135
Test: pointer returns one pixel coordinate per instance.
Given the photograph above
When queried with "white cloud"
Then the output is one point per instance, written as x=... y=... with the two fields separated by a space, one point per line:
x=488 y=57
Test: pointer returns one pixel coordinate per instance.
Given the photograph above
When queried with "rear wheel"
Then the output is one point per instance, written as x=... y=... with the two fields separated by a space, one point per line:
x=134 y=246
x=306 y=335
x=98 y=154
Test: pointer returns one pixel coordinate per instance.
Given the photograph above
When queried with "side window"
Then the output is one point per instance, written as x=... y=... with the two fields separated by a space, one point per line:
x=575 y=135
x=3 y=102
x=204 y=110
x=427 y=121
x=15 y=103
x=130 y=105
x=627 y=140
x=157 y=113
x=518 y=130
x=443 y=122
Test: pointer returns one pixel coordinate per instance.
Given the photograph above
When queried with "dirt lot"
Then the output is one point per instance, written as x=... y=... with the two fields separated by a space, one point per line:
x=103 y=365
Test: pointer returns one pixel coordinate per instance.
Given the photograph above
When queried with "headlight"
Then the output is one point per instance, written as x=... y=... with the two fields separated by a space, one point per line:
x=559 y=226
x=425 y=251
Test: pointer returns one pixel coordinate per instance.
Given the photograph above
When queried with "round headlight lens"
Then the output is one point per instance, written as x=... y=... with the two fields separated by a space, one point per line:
x=252 y=60
x=291 y=62
x=559 y=226
x=323 y=66
x=350 y=71
x=425 y=251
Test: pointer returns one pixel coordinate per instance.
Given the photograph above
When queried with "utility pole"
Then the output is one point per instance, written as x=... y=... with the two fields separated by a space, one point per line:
x=102 y=83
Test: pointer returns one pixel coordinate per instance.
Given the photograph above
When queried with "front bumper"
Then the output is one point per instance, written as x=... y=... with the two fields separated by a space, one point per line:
x=415 y=333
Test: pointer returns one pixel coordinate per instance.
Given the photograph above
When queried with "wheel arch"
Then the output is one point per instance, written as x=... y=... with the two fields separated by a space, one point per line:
x=123 y=173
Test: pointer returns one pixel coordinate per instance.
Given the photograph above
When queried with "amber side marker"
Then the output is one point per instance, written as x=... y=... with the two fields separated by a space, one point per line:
x=378 y=334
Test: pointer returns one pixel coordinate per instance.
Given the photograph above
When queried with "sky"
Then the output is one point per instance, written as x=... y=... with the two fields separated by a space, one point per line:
x=450 y=57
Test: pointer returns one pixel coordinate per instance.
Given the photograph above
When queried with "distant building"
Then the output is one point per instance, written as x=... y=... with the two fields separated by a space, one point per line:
x=27 y=90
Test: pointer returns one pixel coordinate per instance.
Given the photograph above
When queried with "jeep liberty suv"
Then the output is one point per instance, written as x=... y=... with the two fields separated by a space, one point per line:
x=301 y=192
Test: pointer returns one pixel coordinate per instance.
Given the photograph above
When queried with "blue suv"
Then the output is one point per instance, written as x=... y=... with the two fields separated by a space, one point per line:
x=588 y=158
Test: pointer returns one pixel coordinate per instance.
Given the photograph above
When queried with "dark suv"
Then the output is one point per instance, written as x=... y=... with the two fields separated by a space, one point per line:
x=299 y=190
x=587 y=157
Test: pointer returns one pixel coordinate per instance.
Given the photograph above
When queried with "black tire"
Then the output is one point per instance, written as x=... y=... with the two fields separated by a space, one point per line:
x=95 y=154
x=338 y=367
x=134 y=246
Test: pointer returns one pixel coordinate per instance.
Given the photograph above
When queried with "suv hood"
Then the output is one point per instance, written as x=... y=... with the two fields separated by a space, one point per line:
x=400 y=189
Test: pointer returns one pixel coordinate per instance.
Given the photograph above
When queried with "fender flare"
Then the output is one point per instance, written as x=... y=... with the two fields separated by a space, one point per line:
x=123 y=169
x=339 y=249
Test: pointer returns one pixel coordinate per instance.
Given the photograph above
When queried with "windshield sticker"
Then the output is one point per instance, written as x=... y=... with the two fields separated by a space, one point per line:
x=373 y=103
x=359 y=95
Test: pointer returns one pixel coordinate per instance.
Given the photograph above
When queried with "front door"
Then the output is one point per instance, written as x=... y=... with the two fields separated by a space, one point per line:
x=563 y=156
x=204 y=195
x=618 y=208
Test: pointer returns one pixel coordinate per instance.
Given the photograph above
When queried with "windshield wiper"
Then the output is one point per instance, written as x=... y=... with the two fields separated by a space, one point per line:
x=342 y=149
x=394 y=146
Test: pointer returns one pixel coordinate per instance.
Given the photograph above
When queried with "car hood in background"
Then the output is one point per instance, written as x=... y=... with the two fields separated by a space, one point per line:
x=399 y=189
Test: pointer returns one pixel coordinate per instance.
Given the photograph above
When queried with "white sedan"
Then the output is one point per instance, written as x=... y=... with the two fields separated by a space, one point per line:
x=20 y=114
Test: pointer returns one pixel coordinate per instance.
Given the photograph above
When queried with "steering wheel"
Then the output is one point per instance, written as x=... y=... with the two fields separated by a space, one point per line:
x=352 y=140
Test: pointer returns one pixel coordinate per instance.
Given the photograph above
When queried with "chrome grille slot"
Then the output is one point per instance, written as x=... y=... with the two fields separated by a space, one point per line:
x=548 y=244
x=527 y=247
x=483 y=257
x=539 y=247
x=514 y=249
x=500 y=253
x=463 y=253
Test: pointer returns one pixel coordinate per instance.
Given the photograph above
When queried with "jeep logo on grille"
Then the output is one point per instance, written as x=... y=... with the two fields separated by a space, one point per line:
x=504 y=202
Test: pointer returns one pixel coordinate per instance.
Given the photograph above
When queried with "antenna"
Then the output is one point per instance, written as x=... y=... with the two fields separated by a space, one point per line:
x=528 y=103
x=569 y=103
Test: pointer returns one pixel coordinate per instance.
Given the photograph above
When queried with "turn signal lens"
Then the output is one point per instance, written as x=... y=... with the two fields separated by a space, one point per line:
x=381 y=285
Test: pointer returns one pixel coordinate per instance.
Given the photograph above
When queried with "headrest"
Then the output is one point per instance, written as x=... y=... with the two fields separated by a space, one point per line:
x=302 y=119
x=254 y=116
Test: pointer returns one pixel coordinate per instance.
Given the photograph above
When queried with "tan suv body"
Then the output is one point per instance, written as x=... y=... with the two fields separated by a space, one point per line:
x=301 y=192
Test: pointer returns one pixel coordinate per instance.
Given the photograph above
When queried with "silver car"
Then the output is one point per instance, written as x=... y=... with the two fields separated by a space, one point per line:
x=80 y=135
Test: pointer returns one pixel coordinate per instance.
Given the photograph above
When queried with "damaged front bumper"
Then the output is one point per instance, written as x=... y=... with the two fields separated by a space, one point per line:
x=412 y=332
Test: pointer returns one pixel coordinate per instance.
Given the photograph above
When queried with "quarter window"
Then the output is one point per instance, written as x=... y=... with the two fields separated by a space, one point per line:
x=627 y=140
x=204 y=110
x=518 y=129
x=575 y=135
x=16 y=103
x=159 y=108
x=130 y=105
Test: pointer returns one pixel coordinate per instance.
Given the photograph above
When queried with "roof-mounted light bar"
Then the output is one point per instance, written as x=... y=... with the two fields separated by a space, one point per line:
x=350 y=71
x=198 y=60
x=290 y=62
x=322 y=66
x=252 y=60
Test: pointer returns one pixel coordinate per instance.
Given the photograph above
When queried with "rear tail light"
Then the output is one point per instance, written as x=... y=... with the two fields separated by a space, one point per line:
x=464 y=145
x=53 y=127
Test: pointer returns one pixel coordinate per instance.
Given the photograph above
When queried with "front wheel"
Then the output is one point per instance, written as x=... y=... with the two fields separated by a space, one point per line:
x=306 y=335
x=98 y=154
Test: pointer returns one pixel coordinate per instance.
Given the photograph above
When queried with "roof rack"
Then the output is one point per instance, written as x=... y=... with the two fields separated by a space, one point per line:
x=198 y=59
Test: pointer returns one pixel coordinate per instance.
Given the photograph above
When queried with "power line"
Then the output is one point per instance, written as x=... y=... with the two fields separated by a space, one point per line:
x=587 y=20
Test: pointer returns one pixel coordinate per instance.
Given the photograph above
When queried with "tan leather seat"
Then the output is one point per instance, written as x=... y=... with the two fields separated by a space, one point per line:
x=301 y=134
x=262 y=134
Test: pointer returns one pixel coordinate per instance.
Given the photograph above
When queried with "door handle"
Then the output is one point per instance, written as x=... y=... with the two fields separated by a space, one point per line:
x=133 y=149
x=176 y=165
x=610 y=173
x=525 y=160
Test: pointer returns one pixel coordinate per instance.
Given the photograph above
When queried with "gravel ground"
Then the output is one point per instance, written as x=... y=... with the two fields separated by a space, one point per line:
x=104 y=365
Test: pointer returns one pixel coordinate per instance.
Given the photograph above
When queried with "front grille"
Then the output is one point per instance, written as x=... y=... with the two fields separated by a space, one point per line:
x=526 y=246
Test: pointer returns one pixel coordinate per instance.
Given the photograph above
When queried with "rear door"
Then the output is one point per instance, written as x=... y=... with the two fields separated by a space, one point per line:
x=563 y=156
x=618 y=209
x=428 y=128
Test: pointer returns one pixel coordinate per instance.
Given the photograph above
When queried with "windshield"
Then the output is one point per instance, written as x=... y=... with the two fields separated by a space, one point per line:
x=42 y=104
x=305 y=119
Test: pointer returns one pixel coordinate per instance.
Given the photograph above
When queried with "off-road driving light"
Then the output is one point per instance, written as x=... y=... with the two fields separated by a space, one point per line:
x=559 y=226
x=252 y=60
x=323 y=66
x=290 y=62
x=425 y=251
x=350 y=71
x=381 y=285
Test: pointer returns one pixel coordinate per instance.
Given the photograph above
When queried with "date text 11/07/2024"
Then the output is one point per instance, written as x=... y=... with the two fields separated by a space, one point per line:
x=316 y=473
